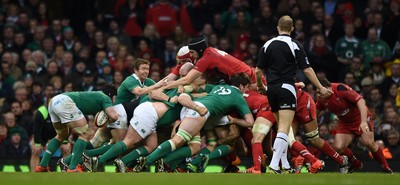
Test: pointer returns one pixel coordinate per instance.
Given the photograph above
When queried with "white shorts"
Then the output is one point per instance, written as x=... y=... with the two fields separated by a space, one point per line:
x=122 y=121
x=144 y=119
x=214 y=121
x=63 y=109
x=190 y=113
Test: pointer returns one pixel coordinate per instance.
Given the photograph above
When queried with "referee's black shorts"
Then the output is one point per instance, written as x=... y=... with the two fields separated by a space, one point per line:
x=282 y=96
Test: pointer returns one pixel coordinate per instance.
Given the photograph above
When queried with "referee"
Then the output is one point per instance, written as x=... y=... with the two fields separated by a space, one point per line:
x=281 y=56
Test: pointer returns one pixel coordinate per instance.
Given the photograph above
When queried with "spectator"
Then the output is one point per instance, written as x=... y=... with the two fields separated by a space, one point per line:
x=88 y=36
x=3 y=130
x=115 y=31
x=11 y=124
x=68 y=40
x=393 y=76
x=239 y=27
x=98 y=43
x=132 y=17
x=118 y=78
x=16 y=147
x=165 y=9
x=151 y=36
x=322 y=58
x=351 y=81
x=393 y=144
x=22 y=119
x=179 y=37
x=348 y=46
x=168 y=56
x=38 y=36
x=264 y=25
x=119 y=64
x=374 y=49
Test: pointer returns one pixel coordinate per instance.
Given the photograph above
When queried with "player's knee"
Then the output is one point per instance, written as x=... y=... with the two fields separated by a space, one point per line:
x=312 y=136
x=259 y=131
x=81 y=130
x=339 y=147
x=181 y=137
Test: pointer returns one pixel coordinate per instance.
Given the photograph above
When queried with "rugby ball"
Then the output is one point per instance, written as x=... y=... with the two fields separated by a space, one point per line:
x=101 y=119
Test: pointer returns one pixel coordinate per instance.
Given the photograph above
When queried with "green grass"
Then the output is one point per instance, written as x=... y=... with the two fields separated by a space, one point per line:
x=195 y=179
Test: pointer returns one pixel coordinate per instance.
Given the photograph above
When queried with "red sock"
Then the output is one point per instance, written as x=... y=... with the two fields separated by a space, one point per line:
x=378 y=155
x=347 y=152
x=329 y=151
x=257 y=155
x=247 y=136
x=293 y=153
x=302 y=150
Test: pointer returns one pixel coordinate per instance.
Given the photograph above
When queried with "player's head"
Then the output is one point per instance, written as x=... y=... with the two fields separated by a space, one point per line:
x=241 y=81
x=109 y=90
x=198 y=44
x=285 y=24
x=185 y=68
x=142 y=68
x=184 y=55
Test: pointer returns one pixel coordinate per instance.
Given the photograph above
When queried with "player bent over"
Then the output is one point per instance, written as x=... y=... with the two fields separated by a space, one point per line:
x=67 y=111
x=354 y=122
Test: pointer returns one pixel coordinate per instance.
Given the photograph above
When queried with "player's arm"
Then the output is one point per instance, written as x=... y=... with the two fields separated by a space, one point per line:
x=196 y=95
x=247 y=120
x=139 y=91
x=158 y=94
x=189 y=78
x=363 y=113
x=111 y=113
x=234 y=133
x=260 y=85
x=186 y=101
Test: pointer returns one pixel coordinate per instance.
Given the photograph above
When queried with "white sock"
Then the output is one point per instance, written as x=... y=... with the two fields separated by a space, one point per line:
x=284 y=160
x=280 y=145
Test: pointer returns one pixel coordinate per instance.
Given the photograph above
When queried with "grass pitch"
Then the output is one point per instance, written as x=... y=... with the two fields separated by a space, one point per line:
x=195 y=179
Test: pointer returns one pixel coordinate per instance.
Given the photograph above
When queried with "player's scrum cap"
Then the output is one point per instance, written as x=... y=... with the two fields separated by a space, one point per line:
x=184 y=54
x=198 y=44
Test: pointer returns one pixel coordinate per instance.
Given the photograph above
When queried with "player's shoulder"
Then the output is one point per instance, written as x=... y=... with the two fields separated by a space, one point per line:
x=340 y=87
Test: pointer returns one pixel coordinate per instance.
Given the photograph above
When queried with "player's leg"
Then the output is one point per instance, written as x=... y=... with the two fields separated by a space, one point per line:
x=211 y=141
x=177 y=156
x=367 y=139
x=80 y=127
x=260 y=129
x=149 y=145
x=131 y=139
x=189 y=127
x=312 y=135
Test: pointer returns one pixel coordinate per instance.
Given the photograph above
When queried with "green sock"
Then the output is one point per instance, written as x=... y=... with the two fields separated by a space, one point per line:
x=89 y=146
x=98 y=151
x=77 y=151
x=134 y=155
x=161 y=151
x=67 y=160
x=196 y=161
x=178 y=154
x=114 y=151
x=50 y=149
x=220 y=151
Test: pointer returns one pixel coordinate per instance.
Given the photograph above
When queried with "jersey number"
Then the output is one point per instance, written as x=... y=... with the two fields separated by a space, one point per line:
x=222 y=91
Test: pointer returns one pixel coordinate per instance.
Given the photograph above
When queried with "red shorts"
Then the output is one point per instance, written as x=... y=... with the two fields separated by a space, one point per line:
x=253 y=77
x=353 y=128
x=306 y=110
x=267 y=114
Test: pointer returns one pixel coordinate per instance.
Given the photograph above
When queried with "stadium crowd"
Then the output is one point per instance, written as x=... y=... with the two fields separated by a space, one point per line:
x=352 y=42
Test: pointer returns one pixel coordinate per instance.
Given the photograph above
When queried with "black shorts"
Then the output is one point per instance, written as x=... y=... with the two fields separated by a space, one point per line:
x=282 y=96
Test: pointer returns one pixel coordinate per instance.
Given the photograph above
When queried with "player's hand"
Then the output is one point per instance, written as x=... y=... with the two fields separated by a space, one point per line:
x=174 y=99
x=181 y=89
x=231 y=119
x=201 y=110
x=261 y=90
x=300 y=85
x=37 y=149
x=324 y=92
x=364 y=127
x=65 y=148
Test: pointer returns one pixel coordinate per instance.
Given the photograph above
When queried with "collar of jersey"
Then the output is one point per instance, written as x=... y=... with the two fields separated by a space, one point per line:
x=137 y=78
x=235 y=87
x=284 y=35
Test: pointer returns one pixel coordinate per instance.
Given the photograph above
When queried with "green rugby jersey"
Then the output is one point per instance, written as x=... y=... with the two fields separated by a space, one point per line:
x=90 y=102
x=125 y=90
